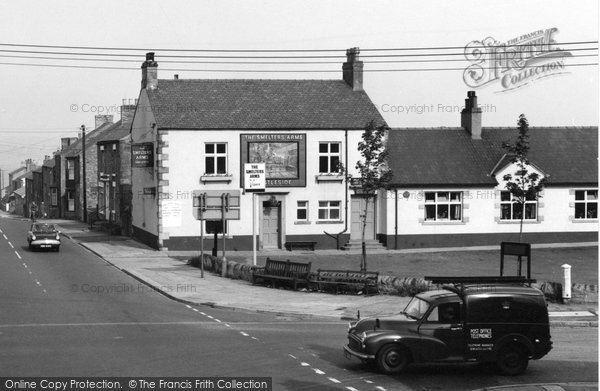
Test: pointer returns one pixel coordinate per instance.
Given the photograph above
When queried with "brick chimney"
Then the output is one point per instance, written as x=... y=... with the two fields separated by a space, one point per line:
x=470 y=116
x=149 y=72
x=66 y=141
x=127 y=110
x=353 y=70
x=102 y=119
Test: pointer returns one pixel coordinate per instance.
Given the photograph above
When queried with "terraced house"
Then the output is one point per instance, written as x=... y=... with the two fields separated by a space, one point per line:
x=197 y=134
x=448 y=187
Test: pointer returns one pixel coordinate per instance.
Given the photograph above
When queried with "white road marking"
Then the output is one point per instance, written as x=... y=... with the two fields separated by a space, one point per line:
x=305 y=364
x=209 y=317
x=189 y=307
x=194 y=309
x=244 y=334
x=217 y=320
x=5 y=236
x=368 y=381
x=254 y=338
x=18 y=256
x=570 y=313
x=227 y=325
x=380 y=388
x=202 y=313
x=10 y=244
x=37 y=282
x=25 y=265
x=334 y=380
x=3 y=326
x=318 y=371
x=292 y=356
x=351 y=388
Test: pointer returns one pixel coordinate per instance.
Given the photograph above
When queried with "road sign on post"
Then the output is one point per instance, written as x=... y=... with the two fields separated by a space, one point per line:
x=216 y=205
x=255 y=180
x=209 y=204
x=255 y=177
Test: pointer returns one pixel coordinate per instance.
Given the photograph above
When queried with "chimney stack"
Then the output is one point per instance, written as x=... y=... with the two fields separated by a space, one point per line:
x=102 y=119
x=127 y=110
x=470 y=116
x=353 y=70
x=149 y=72
x=66 y=141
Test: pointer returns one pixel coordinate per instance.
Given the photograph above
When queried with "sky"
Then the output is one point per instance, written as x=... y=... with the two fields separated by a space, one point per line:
x=40 y=104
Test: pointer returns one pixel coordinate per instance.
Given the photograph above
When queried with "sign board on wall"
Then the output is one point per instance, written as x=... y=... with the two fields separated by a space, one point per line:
x=284 y=156
x=142 y=155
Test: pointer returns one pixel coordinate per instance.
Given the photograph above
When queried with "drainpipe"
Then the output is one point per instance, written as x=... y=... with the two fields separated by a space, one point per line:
x=396 y=220
x=337 y=236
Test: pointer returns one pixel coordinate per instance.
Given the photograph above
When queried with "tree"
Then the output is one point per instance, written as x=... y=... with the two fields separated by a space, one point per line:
x=374 y=173
x=523 y=185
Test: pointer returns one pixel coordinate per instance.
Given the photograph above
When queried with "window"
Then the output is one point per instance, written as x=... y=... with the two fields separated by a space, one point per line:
x=447 y=313
x=329 y=158
x=70 y=169
x=70 y=200
x=443 y=206
x=302 y=211
x=586 y=204
x=329 y=210
x=511 y=209
x=215 y=158
x=54 y=196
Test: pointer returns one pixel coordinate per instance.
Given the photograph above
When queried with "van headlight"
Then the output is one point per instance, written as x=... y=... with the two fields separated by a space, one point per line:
x=32 y=237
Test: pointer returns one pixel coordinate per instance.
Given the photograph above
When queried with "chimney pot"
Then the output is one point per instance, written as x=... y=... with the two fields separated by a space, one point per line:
x=176 y=77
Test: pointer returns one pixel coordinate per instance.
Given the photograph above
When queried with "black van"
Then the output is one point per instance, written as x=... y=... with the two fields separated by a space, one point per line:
x=483 y=319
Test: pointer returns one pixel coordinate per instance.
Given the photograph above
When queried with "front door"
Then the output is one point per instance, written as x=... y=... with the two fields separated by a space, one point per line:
x=357 y=211
x=270 y=225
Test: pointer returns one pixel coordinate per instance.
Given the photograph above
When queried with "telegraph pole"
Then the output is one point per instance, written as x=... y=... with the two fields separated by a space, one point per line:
x=84 y=176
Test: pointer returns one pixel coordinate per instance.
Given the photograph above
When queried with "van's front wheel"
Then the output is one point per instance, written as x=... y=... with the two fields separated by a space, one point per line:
x=392 y=359
x=512 y=360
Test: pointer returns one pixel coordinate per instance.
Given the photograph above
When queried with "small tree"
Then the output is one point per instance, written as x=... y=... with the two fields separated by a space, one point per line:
x=524 y=185
x=374 y=173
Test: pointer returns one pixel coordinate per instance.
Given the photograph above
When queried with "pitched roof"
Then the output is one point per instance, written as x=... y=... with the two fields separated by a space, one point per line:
x=90 y=139
x=116 y=132
x=260 y=104
x=20 y=192
x=450 y=157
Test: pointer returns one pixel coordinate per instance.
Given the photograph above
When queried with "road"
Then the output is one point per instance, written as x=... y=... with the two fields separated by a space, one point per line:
x=72 y=314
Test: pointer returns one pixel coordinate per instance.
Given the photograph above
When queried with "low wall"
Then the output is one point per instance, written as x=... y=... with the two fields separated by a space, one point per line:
x=404 y=286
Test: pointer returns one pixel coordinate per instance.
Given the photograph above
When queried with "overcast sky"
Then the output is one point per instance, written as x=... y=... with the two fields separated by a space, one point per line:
x=41 y=104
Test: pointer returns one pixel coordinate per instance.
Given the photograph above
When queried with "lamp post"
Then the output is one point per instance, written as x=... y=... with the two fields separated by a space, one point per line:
x=84 y=176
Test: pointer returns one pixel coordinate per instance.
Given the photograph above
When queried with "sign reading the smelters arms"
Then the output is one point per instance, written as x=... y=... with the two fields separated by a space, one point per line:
x=284 y=156
x=142 y=155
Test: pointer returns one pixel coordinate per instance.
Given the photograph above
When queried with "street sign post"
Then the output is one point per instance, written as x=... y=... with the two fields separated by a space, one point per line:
x=216 y=205
x=255 y=180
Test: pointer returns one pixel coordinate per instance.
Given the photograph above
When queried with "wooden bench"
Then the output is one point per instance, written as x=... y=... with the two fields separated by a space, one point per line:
x=345 y=280
x=303 y=244
x=286 y=271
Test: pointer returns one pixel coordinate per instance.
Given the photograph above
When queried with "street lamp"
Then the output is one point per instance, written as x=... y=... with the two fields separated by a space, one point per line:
x=84 y=176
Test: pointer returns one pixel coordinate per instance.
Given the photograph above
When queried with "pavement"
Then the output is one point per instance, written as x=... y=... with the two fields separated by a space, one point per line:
x=176 y=279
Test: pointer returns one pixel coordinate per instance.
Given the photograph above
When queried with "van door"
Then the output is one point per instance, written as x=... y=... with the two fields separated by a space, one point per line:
x=445 y=324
